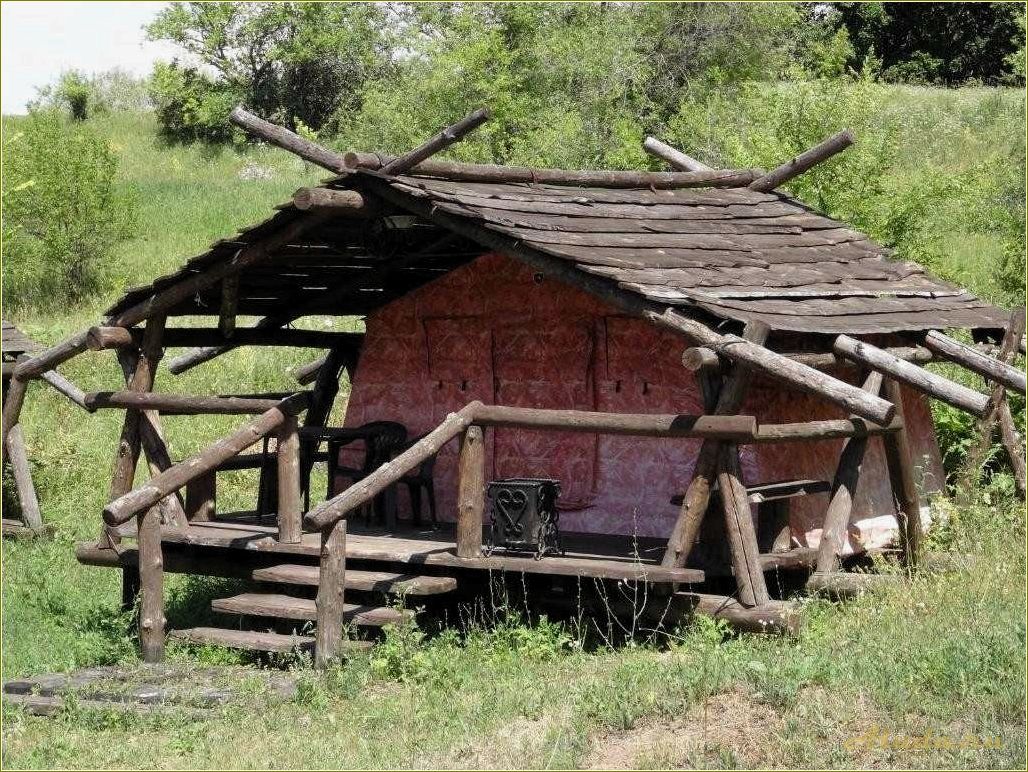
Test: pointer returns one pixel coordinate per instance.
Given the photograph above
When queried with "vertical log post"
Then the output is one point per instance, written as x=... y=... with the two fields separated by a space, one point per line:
x=331 y=588
x=12 y=407
x=23 y=479
x=742 y=536
x=202 y=498
x=151 y=580
x=326 y=386
x=229 y=302
x=290 y=508
x=900 y=463
x=844 y=487
x=471 y=492
x=1014 y=446
x=697 y=495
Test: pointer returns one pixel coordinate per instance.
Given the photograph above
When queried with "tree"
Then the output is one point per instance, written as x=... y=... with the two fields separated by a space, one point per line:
x=287 y=61
x=948 y=43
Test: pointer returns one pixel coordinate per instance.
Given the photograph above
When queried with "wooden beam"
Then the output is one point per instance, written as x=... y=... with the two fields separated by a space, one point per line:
x=62 y=385
x=980 y=449
x=471 y=477
x=806 y=379
x=804 y=161
x=899 y=460
x=261 y=251
x=35 y=366
x=928 y=383
x=308 y=373
x=290 y=505
x=365 y=490
x=22 y=473
x=728 y=427
x=777 y=617
x=698 y=358
x=287 y=140
x=1013 y=445
x=180 y=404
x=129 y=504
x=229 y=305
x=742 y=536
x=697 y=495
x=12 y=406
x=674 y=157
x=975 y=361
x=835 y=529
x=344 y=203
x=440 y=141
x=151 y=581
x=202 y=498
x=718 y=178
x=831 y=429
x=331 y=589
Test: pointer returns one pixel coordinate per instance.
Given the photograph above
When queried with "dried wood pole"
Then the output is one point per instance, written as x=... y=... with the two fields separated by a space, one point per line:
x=344 y=203
x=742 y=537
x=804 y=161
x=287 y=140
x=979 y=451
x=675 y=157
x=697 y=496
x=987 y=367
x=331 y=588
x=844 y=488
x=928 y=383
x=440 y=141
x=452 y=170
x=899 y=460
x=471 y=493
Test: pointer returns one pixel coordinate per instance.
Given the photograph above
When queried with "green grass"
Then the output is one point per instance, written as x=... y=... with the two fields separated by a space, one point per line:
x=941 y=655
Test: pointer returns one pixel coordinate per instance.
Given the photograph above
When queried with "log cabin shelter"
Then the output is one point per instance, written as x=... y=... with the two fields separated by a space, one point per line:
x=721 y=381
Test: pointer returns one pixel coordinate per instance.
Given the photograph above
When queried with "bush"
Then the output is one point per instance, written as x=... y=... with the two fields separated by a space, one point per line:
x=190 y=106
x=61 y=212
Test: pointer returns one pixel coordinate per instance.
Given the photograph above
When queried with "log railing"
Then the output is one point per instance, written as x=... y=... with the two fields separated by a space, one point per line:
x=196 y=473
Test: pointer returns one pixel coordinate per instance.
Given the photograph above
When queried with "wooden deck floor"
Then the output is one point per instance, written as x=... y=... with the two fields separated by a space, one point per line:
x=587 y=555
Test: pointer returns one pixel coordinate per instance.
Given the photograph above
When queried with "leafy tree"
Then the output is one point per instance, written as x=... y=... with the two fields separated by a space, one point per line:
x=287 y=61
x=950 y=43
x=62 y=213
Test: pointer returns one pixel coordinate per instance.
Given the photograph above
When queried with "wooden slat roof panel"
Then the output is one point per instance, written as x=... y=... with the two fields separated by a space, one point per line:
x=731 y=252
x=16 y=342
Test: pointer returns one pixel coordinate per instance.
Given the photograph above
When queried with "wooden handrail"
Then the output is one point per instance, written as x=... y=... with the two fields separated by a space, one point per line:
x=329 y=512
x=186 y=404
x=726 y=427
x=169 y=481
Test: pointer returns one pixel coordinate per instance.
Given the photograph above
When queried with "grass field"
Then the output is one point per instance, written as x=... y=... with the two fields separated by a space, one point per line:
x=941 y=657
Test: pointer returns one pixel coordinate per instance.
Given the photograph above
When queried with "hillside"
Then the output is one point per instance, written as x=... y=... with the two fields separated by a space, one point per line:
x=502 y=696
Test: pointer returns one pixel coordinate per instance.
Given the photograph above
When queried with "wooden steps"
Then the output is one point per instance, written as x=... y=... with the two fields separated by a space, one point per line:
x=287 y=607
x=244 y=639
x=370 y=581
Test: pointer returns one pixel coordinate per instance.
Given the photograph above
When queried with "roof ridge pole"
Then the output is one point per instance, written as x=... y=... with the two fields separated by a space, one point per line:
x=440 y=141
x=804 y=161
x=674 y=157
x=279 y=136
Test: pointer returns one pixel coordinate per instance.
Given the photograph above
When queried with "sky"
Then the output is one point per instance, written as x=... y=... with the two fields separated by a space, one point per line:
x=40 y=40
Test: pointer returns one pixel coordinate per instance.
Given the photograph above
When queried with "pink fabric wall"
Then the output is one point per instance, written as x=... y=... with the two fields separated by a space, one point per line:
x=494 y=332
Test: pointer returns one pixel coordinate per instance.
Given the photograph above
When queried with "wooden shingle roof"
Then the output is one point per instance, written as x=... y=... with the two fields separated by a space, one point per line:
x=735 y=253
x=732 y=253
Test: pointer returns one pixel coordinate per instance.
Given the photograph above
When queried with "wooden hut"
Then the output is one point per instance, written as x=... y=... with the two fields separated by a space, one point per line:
x=651 y=341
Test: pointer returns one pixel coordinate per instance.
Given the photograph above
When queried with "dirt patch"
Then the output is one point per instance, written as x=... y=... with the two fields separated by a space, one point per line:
x=727 y=728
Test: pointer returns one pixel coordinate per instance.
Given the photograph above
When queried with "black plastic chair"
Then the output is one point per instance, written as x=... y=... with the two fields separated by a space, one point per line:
x=418 y=481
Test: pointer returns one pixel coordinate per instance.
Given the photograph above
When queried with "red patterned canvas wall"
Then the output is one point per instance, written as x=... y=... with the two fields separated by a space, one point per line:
x=496 y=331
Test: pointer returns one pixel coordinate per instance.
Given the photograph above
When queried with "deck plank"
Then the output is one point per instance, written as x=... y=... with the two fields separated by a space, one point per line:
x=277 y=606
x=369 y=581
x=432 y=550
